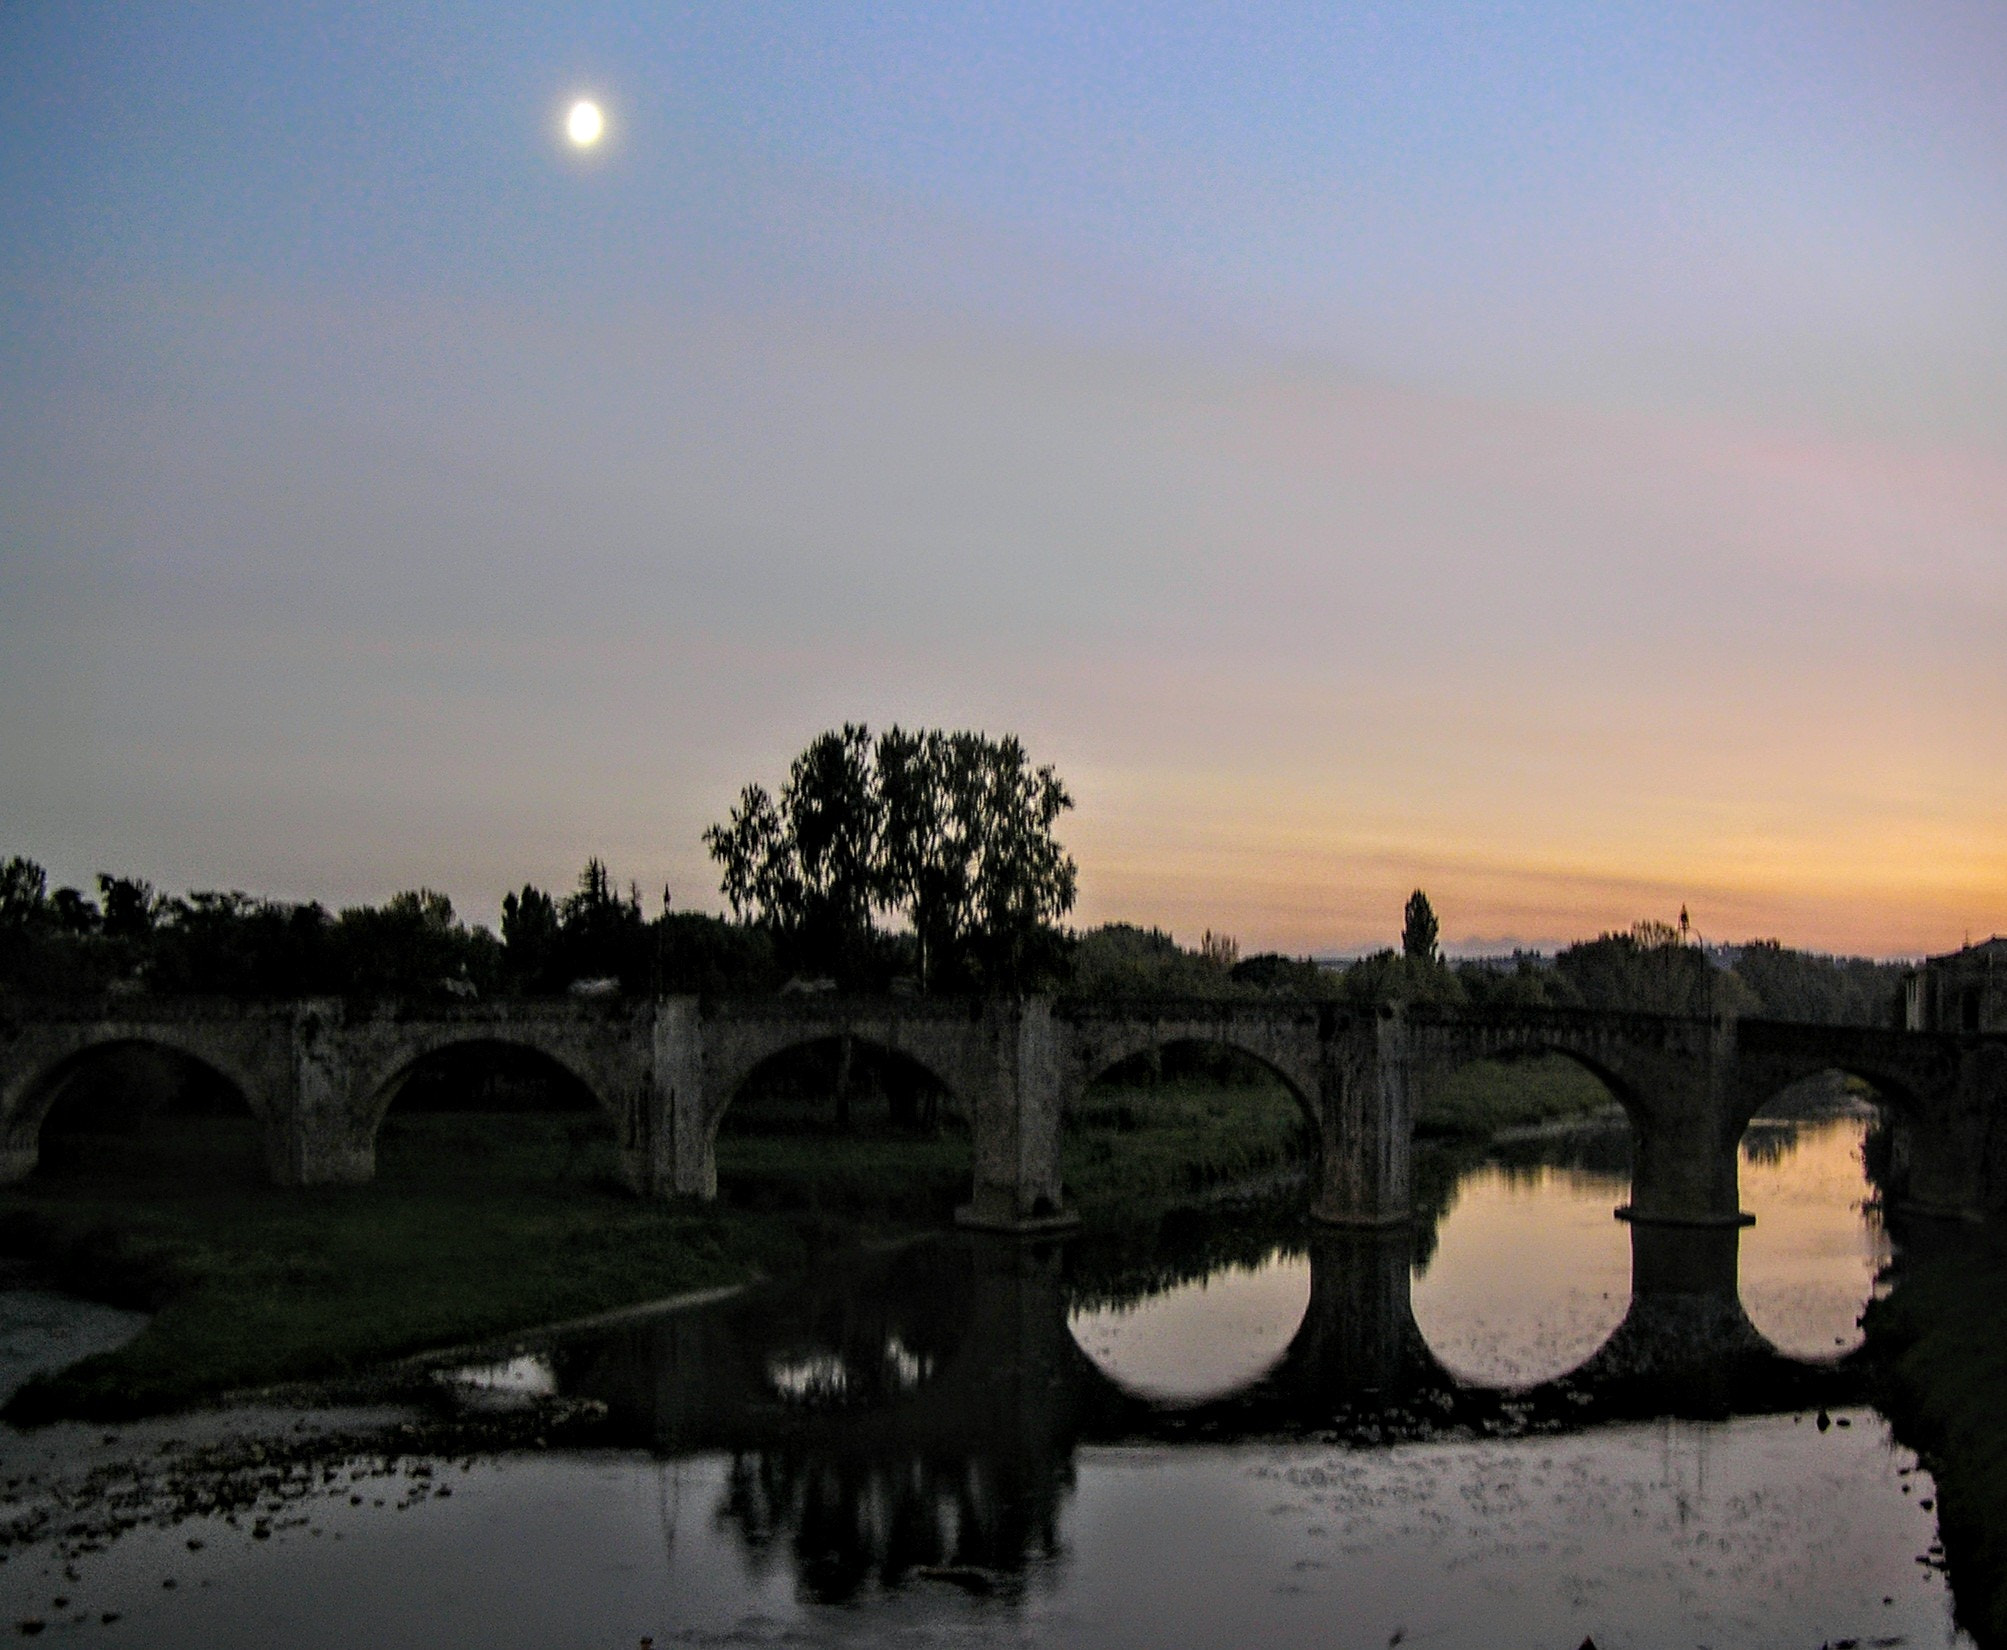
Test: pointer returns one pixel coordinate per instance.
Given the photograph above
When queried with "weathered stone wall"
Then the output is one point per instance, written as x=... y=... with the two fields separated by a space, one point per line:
x=319 y=1075
x=250 y=1047
x=1963 y=992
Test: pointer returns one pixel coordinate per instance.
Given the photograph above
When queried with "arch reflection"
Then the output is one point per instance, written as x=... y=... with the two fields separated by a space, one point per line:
x=947 y=1450
x=1527 y=1274
x=1202 y=1337
x=1814 y=1258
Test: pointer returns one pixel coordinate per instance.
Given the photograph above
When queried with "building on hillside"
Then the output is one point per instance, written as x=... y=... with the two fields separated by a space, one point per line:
x=1964 y=991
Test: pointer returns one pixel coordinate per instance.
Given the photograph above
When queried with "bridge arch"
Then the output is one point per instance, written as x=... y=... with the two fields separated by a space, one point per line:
x=385 y=1057
x=737 y=1067
x=384 y=1087
x=878 y=1111
x=1144 y=1044
x=26 y=1099
x=41 y=1095
x=1895 y=1092
x=1438 y=1060
x=500 y=1112
x=1239 y=1104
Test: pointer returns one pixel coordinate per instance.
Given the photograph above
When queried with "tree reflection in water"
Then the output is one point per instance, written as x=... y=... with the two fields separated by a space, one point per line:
x=848 y=1520
x=918 y=1414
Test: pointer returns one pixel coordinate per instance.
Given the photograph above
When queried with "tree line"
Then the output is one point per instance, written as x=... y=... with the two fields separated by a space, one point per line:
x=1652 y=967
x=923 y=861
x=595 y=937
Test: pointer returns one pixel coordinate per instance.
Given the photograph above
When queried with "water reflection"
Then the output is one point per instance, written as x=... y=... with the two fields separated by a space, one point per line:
x=823 y=1379
x=505 y=1385
x=1811 y=1262
x=1654 y=1536
x=922 y=1416
x=978 y=1440
x=1530 y=1273
x=840 y=1522
x=1202 y=1337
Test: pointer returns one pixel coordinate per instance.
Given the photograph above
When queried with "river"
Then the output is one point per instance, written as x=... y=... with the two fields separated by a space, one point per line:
x=1237 y=1432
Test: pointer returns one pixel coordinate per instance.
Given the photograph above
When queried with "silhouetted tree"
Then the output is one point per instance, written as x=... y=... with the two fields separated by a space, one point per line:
x=1419 y=930
x=232 y=944
x=1800 y=985
x=952 y=831
x=530 y=937
x=806 y=864
x=1390 y=976
x=411 y=945
x=594 y=932
x=129 y=906
x=602 y=933
x=1530 y=983
x=967 y=855
x=1271 y=972
x=74 y=911
x=24 y=892
x=1649 y=970
x=700 y=953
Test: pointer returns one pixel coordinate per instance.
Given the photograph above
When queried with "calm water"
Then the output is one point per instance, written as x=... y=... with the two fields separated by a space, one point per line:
x=1245 y=1433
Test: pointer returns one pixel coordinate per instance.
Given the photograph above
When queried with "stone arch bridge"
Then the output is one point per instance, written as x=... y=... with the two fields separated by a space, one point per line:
x=318 y=1076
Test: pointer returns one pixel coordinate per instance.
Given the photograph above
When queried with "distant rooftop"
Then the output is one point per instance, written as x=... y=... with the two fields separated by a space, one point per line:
x=1991 y=951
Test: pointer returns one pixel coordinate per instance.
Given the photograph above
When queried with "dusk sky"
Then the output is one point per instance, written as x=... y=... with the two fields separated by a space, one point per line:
x=1552 y=454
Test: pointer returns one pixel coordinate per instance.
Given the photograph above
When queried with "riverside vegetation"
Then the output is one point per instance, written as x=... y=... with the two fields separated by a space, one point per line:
x=480 y=1224
x=1940 y=1342
x=921 y=861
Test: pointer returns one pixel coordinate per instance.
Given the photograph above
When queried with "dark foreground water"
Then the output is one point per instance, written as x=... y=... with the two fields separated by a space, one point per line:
x=1239 y=1433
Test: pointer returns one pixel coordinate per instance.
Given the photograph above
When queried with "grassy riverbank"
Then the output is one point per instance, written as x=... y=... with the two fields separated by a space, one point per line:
x=1940 y=1339
x=1480 y=1099
x=255 y=1284
x=477 y=1226
x=1130 y=1153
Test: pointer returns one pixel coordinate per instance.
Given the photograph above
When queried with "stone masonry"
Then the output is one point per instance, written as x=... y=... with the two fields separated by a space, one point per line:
x=319 y=1075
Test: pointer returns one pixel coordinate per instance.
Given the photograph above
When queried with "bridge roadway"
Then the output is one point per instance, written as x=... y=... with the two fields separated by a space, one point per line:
x=318 y=1075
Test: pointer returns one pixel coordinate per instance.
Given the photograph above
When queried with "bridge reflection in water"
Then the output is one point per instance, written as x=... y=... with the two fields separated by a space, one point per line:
x=920 y=1412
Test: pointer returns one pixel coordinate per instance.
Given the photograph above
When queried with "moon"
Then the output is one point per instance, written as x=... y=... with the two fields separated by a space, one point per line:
x=585 y=124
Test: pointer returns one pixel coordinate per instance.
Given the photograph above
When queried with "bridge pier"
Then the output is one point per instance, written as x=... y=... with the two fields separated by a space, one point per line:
x=1685 y=1171
x=322 y=1138
x=1358 y=1336
x=1685 y=1341
x=668 y=1147
x=1686 y=1130
x=1015 y=1116
x=1365 y=1121
x=1951 y=1159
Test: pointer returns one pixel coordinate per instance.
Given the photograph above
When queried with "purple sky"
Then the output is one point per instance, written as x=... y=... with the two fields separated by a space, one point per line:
x=1554 y=454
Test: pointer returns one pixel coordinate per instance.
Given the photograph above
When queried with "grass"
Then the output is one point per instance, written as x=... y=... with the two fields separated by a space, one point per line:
x=1940 y=1341
x=1486 y=1096
x=1129 y=1152
x=480 y=1225
x=875 y=1179
x=471 y=1232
